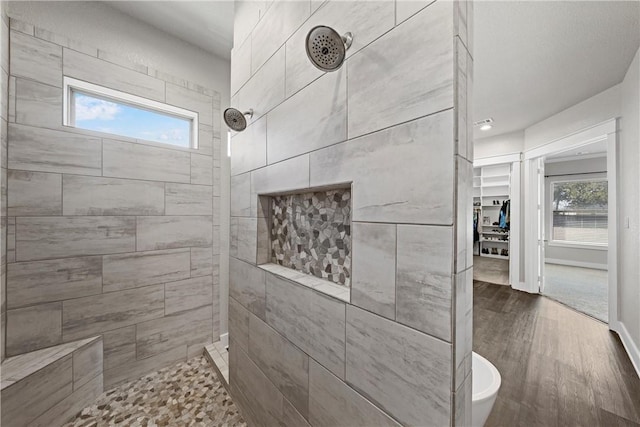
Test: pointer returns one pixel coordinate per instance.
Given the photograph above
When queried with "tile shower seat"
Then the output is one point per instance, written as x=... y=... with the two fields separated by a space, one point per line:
x=47 y=387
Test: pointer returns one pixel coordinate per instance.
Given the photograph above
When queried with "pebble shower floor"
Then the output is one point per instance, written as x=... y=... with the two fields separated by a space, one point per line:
x=185 y=394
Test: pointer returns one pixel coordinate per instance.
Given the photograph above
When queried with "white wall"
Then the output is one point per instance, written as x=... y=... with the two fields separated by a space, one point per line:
x=567 y=170
x=629 y=207
x=623 y=101
x=590 y=112
x=507 y=143
x=99 y=25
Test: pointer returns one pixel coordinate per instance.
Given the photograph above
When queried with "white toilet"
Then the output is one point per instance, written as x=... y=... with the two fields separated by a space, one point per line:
x=486 y=383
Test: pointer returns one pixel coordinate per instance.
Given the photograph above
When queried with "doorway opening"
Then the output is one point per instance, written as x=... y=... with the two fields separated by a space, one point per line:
x=570 y=221
x=575 y=209
x=491 y=223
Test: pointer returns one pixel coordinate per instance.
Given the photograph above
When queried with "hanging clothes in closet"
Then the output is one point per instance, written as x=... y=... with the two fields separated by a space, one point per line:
x=505 y=215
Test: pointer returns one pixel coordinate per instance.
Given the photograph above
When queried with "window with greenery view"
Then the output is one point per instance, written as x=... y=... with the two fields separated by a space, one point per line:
x=580 y=212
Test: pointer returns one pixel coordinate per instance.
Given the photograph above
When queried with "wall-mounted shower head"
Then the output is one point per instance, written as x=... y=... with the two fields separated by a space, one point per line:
x=326 y=48
x=235 y=119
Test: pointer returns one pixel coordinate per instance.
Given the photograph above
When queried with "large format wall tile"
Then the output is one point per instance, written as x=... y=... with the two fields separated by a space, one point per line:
x=191 y=100
x=265 y=89
x=247 y=286
x=246 y=16
x=424 y=279
x=38 y=104
x=284 y=364
x=333 y=403
x=137 y=368
x=35 y=59
x=53 y=280
x=292 y=174
x=241 y=195
x=138 y=269
x=47 y=150
x=84 y=195
x=119 y=347
x=298 y=126
x=32 y=328
x=263 y=399
x=365 y=20
x=291 y=417
x=310 y=320
x=87 y=363
x=205 y=139
x=187 y=199
x=244 y=238
x=239 y=324
x=70 y=406
x=69 y=214
x=384 y=93
x=202 y=262
x=84 y=317
x=280 y=21
x=183 y=328
x=403 y=174
x=249 y=148
x=408 y=8
x=405 y=372
x=137 y=161
x=168 y=232
x=374 y=284
x=201 y=169
x=57 y=237
x=187 y=294
x=241 y=60
x=100 y=72
x=463 y=338
x=34 y=193
x=25 y=400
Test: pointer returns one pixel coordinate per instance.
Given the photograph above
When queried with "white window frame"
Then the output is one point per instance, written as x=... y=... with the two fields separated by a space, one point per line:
x=71 y=85
x=567 y=243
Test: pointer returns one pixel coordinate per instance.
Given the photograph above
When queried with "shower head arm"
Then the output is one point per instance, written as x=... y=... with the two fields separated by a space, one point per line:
x=347 y=39
x=249 y=113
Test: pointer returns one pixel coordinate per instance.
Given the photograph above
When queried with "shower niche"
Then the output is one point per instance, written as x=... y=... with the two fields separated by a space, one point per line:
x=309 y=235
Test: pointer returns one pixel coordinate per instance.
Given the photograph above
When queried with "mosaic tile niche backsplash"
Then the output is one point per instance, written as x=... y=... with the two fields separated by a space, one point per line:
x=311 y=233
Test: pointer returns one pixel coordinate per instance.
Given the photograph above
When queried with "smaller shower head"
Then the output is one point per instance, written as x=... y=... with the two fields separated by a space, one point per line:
x=326 y=48
x=235 y=119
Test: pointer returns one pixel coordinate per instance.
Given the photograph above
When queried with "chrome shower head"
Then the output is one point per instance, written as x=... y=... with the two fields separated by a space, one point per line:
x=326 y=48
x=235 y=119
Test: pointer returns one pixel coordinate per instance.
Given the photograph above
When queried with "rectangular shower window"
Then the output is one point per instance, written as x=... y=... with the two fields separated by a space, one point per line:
x=96 y=108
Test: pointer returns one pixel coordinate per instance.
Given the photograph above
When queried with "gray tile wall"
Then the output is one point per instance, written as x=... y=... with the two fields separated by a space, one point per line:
x=393 y=124
x=4 y=117
x=108 y=235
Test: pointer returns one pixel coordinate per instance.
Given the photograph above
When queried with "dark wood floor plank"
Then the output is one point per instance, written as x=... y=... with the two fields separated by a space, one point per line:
x=558 y=366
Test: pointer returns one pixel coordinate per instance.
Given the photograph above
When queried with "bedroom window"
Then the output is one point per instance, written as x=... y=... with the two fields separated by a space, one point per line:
x=97 y=108
x=580 y=212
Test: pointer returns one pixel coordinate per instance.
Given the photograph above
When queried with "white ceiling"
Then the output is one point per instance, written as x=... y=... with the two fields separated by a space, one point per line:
x=206 y=24
x=534 y=59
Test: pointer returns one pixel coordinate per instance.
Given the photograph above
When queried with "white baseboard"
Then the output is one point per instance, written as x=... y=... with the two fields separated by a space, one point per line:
x=576 y=263
x=224 y=339
x=630 y=346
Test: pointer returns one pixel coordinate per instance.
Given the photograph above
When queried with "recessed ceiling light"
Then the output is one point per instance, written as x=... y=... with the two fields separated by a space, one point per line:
x=484 y=124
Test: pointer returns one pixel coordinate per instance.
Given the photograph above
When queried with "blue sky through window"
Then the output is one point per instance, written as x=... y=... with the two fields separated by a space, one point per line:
x=100 y=115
